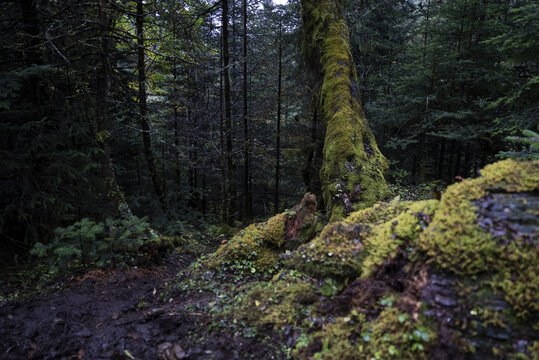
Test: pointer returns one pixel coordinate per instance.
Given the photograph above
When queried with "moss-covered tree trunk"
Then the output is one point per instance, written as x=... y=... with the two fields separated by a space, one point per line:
x=352 y=173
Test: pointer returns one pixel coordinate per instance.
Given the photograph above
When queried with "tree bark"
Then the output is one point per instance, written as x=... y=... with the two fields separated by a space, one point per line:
x=143 y=108
x=278 y=133
x=229 y=175
x=352 y=173
x=102 y=126
x=246 y=193
x=31 y=27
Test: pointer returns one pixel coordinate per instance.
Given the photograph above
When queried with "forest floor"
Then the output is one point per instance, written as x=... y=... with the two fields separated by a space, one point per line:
x=127 y=314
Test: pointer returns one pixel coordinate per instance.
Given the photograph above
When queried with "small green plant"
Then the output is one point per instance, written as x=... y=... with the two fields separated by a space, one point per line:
x=530 y=147
x=112 y=242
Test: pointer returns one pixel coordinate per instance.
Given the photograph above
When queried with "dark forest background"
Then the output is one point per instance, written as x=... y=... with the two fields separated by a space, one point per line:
x=154 y=108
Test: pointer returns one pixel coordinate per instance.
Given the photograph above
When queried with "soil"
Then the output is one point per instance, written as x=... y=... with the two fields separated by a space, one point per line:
x=120 y=315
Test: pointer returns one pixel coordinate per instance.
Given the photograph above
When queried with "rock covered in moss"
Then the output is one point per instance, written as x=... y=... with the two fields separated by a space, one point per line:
x=261 y=243
x=364 y=240
x=456 y=241
x=467 y=238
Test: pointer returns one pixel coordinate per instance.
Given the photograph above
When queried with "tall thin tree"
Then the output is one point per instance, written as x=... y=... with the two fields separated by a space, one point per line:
x=143 y=107
x=278 y=132
x=229 y=173
x=247 y=201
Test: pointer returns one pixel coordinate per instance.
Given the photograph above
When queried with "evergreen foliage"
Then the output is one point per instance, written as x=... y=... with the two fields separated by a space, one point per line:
x=107 y=243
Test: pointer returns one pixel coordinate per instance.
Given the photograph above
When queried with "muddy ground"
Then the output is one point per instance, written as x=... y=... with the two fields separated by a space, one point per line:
x=122 y=315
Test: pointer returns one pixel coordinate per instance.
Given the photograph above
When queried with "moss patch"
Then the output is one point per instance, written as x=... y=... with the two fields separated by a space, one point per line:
x=348 y=249
x=248 y=244
x=261 y=243
x=392 y=335
x=286 y=299
x=405 y=228
x=274 y=230
x=455 y=241
x=458 y=242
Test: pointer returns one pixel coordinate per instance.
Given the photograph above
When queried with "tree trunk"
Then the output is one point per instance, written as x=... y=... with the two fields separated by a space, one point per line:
x=352 y=173
x=143 y=108
x=246 y=193
x=102 y=126
x=278 y=134
x=31 y=27
x=229 y=175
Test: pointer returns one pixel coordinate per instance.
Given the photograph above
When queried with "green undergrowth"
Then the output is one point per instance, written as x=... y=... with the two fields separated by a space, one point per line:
x=391 y=335
x=86 y=245
x=286 y=299
x=227 y=284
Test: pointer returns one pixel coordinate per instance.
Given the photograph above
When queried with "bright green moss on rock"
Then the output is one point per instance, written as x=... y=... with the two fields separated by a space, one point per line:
x=284 y=300
x=352 y=172
x=248 y=244
x=391 y=335
x=348 y=249
x=261 y=243
x=455 y=240
x=385 y=239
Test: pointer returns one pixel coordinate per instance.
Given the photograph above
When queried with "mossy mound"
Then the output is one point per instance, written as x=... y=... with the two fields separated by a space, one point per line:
x=465 y=239
x=378 y=213
x=250 y=244
x=457 y=277
x=261 y=243
x=364 y=240
x=455 y=240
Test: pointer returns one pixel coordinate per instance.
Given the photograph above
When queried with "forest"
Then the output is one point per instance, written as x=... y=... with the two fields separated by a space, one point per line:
x=258 y=179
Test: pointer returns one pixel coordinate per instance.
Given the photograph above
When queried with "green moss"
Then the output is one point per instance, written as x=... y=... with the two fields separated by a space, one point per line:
x=385 y=239
x=261 y=243
x=348 y=249
x=518 y=277
x=224 y=229
x=392 y=335
x=335 y=252
x=274 y=230
x=353 y=167
x=283 y=300
x=338 y=340
x=454 y=241
x=248 y=244
x=378 y=213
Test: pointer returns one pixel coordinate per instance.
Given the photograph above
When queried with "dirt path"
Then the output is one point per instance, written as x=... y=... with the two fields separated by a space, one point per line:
x=121 y=315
